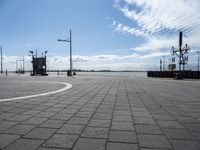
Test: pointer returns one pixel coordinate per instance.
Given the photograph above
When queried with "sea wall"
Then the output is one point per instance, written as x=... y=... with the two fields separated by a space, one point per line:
x=173 y=74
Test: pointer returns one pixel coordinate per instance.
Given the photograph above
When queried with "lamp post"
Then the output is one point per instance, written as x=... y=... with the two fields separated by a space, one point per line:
x=45 y=53
x=160 y=64
x=163 y=63
x=23 y=65
x=70 y=41
x=16 y=67
x=1 y=61
x=198 y=61
x=23 y=68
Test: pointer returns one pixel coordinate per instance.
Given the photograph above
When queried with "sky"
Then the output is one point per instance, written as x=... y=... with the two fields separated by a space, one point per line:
x=106 y=34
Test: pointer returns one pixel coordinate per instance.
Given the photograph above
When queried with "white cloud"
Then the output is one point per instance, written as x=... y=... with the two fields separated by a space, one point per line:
x=112 y=62
x=156 y=54
x=156 y=45
x=159 y=22
x=121 y=28
x=156 y=15
x=132 y=56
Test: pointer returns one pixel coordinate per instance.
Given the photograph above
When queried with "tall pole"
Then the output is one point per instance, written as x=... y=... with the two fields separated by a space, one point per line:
x=163 y=63
x=23 y=66
x=198 y=61
x=160 y=64
x=70 y=41
x=1 y=61
x=16 y=67
x=71 y=53
x=180 y=48
x=36 y=53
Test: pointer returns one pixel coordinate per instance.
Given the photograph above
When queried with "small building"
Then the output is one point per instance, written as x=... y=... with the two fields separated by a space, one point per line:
x=39 y=64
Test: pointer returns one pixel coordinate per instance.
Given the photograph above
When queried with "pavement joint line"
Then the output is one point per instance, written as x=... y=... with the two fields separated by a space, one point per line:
x=67 y=86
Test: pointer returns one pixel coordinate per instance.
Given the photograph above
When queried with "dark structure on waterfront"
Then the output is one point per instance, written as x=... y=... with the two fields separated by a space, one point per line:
x=181 y=52
x=39 y=65
x=173 y=74
x=181 y=73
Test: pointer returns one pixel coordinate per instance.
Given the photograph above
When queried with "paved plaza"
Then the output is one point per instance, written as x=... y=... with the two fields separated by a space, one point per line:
x=99 y=113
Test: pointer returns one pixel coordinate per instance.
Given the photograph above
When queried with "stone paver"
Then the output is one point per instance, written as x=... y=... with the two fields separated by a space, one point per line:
x=25 y=144
x=20 y=129
x=99 y=123
x=181 y=134
x=4 y=125
x=7 y=139
x=185 y=144
x=148 y=129
x=71 y=129
x=121 y=146
x=122 y=136
x=34 y=120
x=95 y=132
x=52 y=123
x=169 y=124
x=153 y=141
x=78 y=120
x=90 y=144
x=61 y=141
x=100 y=112
x=40 y=133
x=122 y=126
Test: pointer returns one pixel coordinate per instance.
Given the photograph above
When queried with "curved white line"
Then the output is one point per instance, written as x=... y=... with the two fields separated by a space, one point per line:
x=67 y=86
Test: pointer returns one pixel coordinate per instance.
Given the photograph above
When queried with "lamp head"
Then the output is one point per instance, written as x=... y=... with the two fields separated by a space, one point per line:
x=30 y=52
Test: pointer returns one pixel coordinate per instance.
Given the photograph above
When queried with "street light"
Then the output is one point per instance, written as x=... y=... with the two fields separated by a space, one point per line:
x=198 y=60
x=16 y=67
x=23 y=69
x=1 y=61
x=70 y=41
x=163 y=63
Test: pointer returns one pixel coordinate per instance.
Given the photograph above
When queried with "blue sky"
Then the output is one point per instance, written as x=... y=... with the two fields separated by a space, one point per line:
x=107 y=34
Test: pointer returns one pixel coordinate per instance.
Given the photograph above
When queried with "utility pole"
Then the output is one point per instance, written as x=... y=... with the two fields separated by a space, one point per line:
x=1 y=61
x=180 y=46
x=198 y=61
x=160 y=64
x=23 y=66
x=70 y=41
x=181 y=52
x=16 y=67
x=71 y=52
x=36 y=53
x=163 y=63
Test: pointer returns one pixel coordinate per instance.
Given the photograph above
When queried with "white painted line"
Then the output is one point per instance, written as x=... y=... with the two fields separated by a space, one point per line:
x=67 y=86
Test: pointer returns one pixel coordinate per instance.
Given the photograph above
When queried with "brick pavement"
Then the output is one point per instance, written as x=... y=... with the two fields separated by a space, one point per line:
x=99 y=113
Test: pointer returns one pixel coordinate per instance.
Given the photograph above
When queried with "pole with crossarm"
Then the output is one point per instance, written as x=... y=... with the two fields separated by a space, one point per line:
x=70 y=41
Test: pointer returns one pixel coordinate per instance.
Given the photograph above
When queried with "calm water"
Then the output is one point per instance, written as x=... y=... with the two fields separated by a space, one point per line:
x=105 y=74
x=102 y=74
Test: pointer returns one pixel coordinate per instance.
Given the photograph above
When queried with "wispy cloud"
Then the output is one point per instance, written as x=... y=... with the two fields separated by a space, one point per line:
x=155 y=45
x=121 y=28
x=159 y=22
x=157 y=17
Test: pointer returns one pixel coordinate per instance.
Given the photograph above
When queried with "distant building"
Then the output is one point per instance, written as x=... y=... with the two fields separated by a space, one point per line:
x=39 y=66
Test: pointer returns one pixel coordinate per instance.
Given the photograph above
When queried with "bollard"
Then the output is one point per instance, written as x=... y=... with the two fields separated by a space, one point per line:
x=6 y=72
